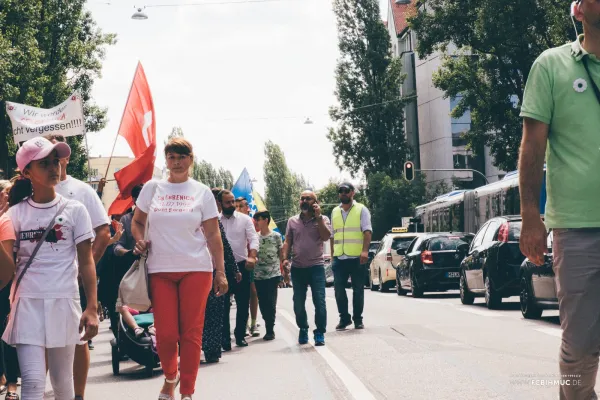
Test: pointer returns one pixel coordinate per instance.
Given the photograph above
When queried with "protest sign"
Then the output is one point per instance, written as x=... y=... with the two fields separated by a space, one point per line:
x=29 y=122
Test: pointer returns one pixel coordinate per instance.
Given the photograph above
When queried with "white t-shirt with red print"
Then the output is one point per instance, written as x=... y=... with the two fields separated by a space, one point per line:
x=46 y=310
x=176 y=213
x=53 y=273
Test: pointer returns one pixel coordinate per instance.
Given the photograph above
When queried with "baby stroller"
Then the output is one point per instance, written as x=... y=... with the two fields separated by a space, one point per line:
x=142 y=350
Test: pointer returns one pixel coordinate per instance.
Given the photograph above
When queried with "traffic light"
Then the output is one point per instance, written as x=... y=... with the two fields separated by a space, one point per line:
x=409 y=171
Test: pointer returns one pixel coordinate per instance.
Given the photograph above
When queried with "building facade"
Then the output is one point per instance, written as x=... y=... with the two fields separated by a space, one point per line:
x=98 y=170
x=432 y=133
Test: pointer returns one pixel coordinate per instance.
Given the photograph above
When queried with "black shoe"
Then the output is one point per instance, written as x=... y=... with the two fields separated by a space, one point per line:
x=211 y=359
x=343 y=325
x=241 y=343
x=227 y=347
x=359 y=325
x=269 y=336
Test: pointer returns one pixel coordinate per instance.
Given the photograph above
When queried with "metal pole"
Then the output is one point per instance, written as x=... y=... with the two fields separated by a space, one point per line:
x=87 y=146
x=124 y=110
x=456 y=170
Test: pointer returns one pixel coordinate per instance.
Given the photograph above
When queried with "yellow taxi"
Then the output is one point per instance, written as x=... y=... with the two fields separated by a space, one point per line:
x=389 y=254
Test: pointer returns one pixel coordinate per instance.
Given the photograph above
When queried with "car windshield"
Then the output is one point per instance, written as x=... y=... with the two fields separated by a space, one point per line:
x=447 y=243
x=402 y=243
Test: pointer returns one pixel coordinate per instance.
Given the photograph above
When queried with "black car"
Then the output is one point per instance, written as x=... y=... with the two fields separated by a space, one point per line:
x=538 y=286
x=492 y=266
x=432 y=263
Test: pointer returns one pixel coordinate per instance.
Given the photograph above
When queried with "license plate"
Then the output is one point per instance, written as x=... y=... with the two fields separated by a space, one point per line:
x=452 y=275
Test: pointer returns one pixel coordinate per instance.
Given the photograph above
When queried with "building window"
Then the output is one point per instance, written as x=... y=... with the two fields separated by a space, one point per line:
x=459 y=125
x=95 y=186
x=94 y=172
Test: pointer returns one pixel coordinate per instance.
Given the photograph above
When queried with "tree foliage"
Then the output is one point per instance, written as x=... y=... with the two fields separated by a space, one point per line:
x=369 y=132
x=281 y=186
x=391 y=199
x=204 y=172
x=48 y=48
x=497 y=42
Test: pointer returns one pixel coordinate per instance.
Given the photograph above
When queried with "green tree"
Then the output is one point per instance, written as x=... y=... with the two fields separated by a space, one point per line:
x=176 y=131
x=391 y=199
x=497 y=42
x=280 y=186
x=300 y=185
x=48 y=48
x=369 y=132
x=205 y=172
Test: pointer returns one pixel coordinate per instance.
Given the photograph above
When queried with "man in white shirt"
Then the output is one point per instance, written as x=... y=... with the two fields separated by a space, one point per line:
x=241 y=235
x=74 y=189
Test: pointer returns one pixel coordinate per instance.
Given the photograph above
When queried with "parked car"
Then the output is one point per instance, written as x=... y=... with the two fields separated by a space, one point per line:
x=372 y=251
x=538 y=286
x=382 y=270
x=492 y=266
x=432 y=263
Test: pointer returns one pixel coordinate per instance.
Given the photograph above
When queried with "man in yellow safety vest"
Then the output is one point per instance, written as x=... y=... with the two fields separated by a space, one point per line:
x=351 y=238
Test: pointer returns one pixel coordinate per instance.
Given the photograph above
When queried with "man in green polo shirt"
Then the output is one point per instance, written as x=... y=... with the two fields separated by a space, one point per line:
x=562 y=124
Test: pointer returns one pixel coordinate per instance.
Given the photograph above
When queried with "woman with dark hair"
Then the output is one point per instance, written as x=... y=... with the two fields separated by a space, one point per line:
x=53 y=246
x=212 y=337
x=185 y=248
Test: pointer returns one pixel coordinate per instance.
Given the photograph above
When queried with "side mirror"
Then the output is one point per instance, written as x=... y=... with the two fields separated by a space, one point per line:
x=401 y=252
x=463 y=248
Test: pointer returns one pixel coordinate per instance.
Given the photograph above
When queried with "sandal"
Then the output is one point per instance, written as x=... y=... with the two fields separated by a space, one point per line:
x=164 y=396
x=12 y=396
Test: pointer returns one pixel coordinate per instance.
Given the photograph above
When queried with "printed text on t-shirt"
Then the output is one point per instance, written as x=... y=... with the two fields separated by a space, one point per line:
x=175 y=203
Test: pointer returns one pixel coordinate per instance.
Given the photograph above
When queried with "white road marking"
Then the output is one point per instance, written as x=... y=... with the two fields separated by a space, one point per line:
x=483 y=313
x=550 y=331
x=354 y=385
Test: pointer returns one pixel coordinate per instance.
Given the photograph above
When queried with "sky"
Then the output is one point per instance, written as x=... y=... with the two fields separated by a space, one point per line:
x=232 y=76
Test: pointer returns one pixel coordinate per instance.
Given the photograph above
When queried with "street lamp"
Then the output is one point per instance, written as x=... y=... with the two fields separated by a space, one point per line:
x=139 y=14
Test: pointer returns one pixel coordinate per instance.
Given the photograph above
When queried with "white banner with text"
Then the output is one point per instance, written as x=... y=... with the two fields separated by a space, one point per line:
x=30 y=122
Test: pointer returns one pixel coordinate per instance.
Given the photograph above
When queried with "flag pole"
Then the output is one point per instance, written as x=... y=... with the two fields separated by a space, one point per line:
x=87 y=146
x=124 y=110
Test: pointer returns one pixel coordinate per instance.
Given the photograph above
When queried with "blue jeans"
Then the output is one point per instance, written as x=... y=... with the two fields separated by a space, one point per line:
x=342 y=269
x=314 y=277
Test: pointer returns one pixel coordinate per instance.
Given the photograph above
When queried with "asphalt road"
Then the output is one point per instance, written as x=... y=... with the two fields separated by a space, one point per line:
x=431 y=348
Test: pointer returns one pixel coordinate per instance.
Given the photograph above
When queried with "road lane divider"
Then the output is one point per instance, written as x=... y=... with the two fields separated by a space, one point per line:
x=353 y=384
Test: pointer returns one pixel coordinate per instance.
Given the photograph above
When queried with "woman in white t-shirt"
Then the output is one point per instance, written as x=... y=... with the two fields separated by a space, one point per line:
x=45 y=312
x=184 y=242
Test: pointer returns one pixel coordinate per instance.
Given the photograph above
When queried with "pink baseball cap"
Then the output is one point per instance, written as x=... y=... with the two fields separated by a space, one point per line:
x=39 y=148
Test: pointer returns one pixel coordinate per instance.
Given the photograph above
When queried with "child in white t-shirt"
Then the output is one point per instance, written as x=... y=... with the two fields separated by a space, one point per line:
x=45 y=310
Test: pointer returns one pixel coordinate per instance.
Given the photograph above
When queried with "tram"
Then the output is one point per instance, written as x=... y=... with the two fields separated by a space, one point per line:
x=468 y=210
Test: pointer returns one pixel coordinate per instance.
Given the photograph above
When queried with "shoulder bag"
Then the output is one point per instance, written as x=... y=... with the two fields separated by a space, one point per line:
x=594 y=86
x=134 y=289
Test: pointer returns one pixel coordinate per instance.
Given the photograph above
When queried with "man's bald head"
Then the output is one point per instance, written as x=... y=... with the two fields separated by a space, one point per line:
x=307 y=193
x=308 y=199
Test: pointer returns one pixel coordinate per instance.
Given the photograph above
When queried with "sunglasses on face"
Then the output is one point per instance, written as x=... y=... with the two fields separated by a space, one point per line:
x=344 y=191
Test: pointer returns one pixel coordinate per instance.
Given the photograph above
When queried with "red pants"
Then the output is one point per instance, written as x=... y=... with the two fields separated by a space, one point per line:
x=179 y=302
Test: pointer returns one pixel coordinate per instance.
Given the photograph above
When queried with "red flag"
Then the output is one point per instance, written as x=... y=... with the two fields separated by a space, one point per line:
x=138 y=127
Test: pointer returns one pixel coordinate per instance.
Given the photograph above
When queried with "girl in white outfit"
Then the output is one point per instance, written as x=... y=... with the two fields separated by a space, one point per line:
x=45 y=310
